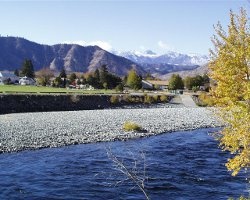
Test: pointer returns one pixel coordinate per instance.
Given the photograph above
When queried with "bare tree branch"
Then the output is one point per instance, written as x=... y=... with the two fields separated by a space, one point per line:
x=134 y=174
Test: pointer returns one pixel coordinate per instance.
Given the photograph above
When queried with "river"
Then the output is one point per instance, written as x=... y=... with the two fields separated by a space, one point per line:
x=180 y=165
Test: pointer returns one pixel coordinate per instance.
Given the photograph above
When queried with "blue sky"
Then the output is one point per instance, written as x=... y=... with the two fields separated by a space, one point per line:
x=160 y=25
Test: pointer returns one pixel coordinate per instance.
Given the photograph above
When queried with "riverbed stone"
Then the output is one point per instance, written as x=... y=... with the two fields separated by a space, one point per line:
x=22 y=131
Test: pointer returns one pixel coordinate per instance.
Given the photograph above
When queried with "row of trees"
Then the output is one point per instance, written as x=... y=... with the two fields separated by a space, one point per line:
x=101 y=79
x=190 y=83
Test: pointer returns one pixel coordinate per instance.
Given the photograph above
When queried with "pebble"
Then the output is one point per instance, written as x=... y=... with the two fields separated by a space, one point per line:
x=26 y=131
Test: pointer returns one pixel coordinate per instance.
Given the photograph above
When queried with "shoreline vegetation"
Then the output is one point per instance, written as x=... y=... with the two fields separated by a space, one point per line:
x=30 y=131
x=44 y=102
x=27 y=89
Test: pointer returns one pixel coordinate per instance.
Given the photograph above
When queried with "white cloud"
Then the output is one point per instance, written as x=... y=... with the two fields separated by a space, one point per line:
x=143 y=48
x=162 y=45
x=104 y=45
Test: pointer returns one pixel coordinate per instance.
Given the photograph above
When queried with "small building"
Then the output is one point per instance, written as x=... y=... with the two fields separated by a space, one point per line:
x=154 y=84
x=27 y=81
x=147 y=85
x=8 y=77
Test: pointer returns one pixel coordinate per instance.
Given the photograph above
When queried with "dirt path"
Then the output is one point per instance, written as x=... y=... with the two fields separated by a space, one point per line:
x=188 y=101
x=176 y=100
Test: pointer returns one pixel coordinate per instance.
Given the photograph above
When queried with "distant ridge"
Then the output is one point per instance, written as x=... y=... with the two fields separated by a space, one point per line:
x=76 y=58
x=201 y=70
x=160 y=65
x=72 y=57
x=170 y=57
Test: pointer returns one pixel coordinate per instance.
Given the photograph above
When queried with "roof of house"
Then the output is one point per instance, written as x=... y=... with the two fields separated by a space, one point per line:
x=8 y=74
x=144 y=82
x=164 y=83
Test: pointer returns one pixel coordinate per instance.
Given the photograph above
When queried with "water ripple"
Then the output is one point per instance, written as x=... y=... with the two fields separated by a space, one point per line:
x=181 y=165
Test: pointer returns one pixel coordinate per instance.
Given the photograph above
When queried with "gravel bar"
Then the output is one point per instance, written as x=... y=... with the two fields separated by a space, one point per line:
x=27 y=131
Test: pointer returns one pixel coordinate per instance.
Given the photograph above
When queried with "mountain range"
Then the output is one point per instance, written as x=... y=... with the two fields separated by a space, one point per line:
x=160 y=65
x=71 y=57
x=171 y=57
x=76 y=58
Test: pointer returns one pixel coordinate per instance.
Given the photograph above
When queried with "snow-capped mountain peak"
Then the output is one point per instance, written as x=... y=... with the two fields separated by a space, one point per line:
x=170 y=57
x=149 y=52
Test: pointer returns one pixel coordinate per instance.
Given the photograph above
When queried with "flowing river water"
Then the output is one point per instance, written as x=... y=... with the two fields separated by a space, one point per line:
x=180 y=165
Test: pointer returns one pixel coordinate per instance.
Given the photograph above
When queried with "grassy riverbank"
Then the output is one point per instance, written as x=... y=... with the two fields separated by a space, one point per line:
x=26 y=89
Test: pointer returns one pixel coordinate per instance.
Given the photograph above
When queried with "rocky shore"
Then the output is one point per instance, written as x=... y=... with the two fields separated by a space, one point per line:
x=26 y=131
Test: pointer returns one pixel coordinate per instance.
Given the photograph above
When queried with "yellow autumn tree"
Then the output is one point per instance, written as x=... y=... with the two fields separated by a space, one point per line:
x=230 y=68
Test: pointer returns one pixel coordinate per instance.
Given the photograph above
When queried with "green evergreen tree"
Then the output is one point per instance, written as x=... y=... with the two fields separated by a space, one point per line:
x=72 y=78
x=96 y=77
x=149 y=77
x=189 y=82
x=195 y=82
x=198 y=81
x=83 y=79
x=57 y=82
x=27 y=69
x=124 y=80
x=16 y=72
x=176 y=82
x=119 y=87
x=103 y=74
x=206 y=79
x=63 y=74
x=134 y=80
x=113 y=80
x=91 y=80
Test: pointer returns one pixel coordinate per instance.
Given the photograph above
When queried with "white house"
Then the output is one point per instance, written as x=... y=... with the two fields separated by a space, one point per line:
x=7 y=76
x=27 y=81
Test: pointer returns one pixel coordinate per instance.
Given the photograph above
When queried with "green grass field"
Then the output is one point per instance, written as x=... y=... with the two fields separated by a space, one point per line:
x=16 y=89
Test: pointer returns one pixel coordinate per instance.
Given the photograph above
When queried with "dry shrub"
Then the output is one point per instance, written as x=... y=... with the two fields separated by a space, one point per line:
x=205 y=99
x=131 y=126
x=163 y=98
x=114 y=99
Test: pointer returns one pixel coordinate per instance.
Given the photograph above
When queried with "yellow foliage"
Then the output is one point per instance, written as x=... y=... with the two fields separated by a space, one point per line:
x=163 y=98
x=131 y=126
x=206 y=99
x=230 y=68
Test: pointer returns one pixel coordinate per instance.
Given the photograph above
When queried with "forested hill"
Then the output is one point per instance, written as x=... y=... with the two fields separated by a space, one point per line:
x=72 y=57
